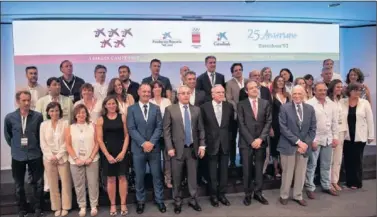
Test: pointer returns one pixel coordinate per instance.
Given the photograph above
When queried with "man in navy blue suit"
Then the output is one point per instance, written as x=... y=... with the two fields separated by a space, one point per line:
x=144 y=123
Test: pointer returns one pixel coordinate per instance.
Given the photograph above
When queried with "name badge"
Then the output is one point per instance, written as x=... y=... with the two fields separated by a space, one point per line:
x=71 y=97
x=24 y=141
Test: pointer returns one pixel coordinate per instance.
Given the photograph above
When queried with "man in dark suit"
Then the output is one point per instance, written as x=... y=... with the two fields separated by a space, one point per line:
x=254 y=120
x=209 y=78
x=155 y=67
x=217 y=119
x=197 y=97
x=144 y=123
x=184 y=139
x=263 y=92
x=131 y=86
x=298 y=126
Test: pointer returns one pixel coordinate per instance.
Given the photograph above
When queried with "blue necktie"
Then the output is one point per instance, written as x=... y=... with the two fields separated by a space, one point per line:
x=188 y=140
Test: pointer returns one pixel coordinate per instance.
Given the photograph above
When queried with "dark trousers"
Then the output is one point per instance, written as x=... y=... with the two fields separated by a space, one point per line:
x=233 y=142
x=140 y=163
x=203 y=169
x=190 y=162
x=353 y=163
x=218 y=170
x=36 y=170
x=253 y=161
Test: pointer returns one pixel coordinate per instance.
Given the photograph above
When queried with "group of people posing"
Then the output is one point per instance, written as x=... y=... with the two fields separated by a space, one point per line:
x=77 y=132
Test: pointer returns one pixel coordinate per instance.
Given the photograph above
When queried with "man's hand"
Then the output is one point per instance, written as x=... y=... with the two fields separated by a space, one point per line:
x=335 y=143
x=88 y=161
x=171 y=152
x=120 y=157
x=300 y=150
x=272 y=134
x=370 y=141
x=303 y=146
x=201 y=152
x=54 y=160
x=315 y=146
x=257 y=143
x=110 y=159
x=147 y=146
x=79 y=162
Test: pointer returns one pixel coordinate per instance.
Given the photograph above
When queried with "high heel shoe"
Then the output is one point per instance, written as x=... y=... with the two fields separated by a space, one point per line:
x=123 y=212
x=114 y=213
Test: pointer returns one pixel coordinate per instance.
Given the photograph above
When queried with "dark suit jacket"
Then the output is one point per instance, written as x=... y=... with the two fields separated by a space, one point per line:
x=290 y=131
x=251 y=129
x=141 y=131
x=174 y=132
x=203 y=83
x=264 y=94
x=164 y=80
x=200 y=98
x=132 y=89
x=217 y=136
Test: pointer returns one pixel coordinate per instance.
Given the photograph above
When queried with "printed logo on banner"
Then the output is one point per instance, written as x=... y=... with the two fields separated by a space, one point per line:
x=195 y=38
x=222 y=40
x=115 y=38
x=257 y=34
x=167 y=40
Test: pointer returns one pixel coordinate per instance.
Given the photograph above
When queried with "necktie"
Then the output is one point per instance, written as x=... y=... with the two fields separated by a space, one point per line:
x=218 y=113
x=188 y=140
x=299 y=110
x=255 y=109
x=213 y=78
x=145 y=111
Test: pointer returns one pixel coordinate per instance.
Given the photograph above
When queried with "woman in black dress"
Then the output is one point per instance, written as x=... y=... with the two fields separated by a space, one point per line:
x=113 y=140
x=279 y=96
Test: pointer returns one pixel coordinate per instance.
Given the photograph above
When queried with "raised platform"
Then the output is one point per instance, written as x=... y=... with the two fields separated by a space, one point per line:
x=8 y=201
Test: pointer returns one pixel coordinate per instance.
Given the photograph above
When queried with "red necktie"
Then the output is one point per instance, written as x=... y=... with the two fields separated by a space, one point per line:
x=255 y=109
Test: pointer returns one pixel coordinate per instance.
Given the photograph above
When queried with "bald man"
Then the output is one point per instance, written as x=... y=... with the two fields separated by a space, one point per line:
x=182 y=72
x=217 y=118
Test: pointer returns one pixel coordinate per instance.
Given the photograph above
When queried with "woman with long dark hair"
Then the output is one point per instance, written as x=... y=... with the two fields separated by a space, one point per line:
x=116 y=89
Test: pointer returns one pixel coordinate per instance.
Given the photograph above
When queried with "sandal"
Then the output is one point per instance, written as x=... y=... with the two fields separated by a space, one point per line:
x=123 y=212
x=115 y=212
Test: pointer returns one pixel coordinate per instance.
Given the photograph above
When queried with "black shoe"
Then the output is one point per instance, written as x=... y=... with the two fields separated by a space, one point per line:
x=38 y=213
x=177 y=209
x=261 y=199
x=161 y=207
x=267 y=177
x=214 y=201
x=203 y=181
x=140 y=208
x=184 y=182
x=195 y=206
x=22 y=214
x=247 y=200
x=224 y=201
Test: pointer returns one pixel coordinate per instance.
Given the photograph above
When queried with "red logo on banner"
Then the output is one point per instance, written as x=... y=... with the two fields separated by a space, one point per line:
x=195 y=37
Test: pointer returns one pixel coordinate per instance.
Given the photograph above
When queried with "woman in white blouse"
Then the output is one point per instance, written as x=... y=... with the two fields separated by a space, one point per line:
x=55 y=159
x=335 y=93
x=360 y=131
x=162 y=102
x=83 y=148
x=93 y=105
x=124 y=100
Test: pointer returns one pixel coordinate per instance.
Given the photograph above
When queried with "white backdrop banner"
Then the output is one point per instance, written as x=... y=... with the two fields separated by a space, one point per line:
x=146 y=37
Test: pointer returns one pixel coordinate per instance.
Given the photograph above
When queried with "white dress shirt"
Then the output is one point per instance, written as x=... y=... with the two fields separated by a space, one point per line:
x=242 y=84
x=165 y=102
x=327 y=120
x=100 y=91
x=334 y=76
x=53 y=141
x=217 y=109
x=183 y=119
x=210 y=77
x=94 y=111
x=192 y=97
x=142 y=110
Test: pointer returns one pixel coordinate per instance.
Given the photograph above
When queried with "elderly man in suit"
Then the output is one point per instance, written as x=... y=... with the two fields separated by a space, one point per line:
x=254 y=120
x=209 y=78
x=217 y=118
x=233 y=87
x=144 y=123
x=184 y=139
x=298 y=125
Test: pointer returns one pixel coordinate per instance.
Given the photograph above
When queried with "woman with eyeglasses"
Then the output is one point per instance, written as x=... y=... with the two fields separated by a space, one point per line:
x=360 y=131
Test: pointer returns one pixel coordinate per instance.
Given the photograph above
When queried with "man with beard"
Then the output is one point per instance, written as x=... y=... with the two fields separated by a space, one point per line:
x=130 y=86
